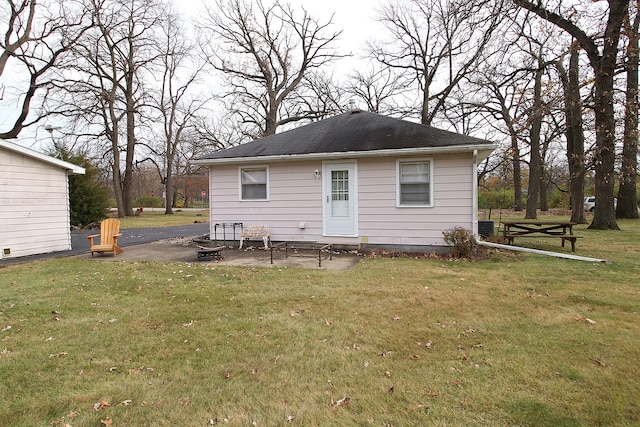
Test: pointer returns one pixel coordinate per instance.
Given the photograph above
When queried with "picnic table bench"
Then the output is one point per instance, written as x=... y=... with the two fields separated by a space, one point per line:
x=537 y=229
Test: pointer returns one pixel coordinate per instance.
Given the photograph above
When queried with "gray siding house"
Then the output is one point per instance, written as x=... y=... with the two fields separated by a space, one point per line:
x=358 y=179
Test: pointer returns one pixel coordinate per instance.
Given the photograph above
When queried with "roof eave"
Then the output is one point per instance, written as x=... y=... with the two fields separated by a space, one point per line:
x=484 y=150
x=69 y=167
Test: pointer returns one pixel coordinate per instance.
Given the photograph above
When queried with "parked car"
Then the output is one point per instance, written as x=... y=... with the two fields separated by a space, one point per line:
x=590 y=203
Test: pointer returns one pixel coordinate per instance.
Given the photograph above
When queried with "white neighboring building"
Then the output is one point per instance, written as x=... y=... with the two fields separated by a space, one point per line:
x=355 y=179
x=34 y=202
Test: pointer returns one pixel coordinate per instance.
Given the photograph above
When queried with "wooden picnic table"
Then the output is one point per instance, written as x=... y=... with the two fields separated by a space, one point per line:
x=540 y=228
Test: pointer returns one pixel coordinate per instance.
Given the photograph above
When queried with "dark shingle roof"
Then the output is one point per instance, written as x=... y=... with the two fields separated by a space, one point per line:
x=354 y=131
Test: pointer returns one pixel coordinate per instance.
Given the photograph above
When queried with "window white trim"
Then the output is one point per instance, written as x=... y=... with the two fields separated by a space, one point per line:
x=242 y=169
x=399 y=163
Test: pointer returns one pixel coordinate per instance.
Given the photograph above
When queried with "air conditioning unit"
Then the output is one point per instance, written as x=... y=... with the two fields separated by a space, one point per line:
x=485 y=228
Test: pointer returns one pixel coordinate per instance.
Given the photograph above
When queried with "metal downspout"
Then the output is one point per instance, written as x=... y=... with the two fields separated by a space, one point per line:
x=474 y=186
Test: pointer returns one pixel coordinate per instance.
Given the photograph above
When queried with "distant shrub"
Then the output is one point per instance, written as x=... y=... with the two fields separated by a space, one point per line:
x=461 y=241
x=496 y=199
x=148 y=201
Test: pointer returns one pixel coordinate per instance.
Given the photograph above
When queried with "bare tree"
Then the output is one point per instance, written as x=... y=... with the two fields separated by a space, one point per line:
x=627 y=193
x=604 y=65
x=437 y=43
x=379 y=89
x=104 y=90
x=36 y=37
x=318 y=92
x=503 y=101
x=176 y=102
x=265 y=52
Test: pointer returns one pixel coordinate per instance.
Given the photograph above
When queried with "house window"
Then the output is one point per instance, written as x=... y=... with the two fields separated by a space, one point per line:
x=415 y=183
x=253 y=183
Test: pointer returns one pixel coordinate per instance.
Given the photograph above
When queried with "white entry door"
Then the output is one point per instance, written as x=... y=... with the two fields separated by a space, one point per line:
x=339 y=199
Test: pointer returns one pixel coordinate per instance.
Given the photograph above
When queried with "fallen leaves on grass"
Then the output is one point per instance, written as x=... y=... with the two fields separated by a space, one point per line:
x=579 y=318
x=340 y=402
x=107 y=422
x=104 y=403
x=427 y=345
x=53 y=356
x=141 y=369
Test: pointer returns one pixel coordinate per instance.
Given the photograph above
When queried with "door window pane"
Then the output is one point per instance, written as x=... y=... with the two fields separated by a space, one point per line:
x=340 y=193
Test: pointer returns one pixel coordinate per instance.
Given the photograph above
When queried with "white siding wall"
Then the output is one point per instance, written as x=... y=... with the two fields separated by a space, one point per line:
x=34 y=206
x=296 y=196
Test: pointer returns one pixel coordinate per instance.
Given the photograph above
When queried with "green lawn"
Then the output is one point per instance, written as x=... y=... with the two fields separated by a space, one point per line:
x=511 y=340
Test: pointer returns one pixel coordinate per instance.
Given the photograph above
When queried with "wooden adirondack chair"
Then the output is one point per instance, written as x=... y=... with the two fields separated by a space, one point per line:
x=109 y=233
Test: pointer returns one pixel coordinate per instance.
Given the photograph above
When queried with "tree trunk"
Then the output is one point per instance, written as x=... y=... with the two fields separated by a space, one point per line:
x=425 y=119
x=271 y=117
x=604 y=217
x=575 y=137
x=127 y=187
x=603 y=213
x=627 y=193
x=114 y=134
x=117 y=177
x=535 y=165
x=517 y=174
x=168 y=194
x=544 y=197
x=169 y=189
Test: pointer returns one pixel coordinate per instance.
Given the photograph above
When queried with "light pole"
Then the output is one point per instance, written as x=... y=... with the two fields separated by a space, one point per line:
x=50 y=129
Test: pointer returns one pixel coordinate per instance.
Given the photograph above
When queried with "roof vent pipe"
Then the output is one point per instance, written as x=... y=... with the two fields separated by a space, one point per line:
x=352 y=105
